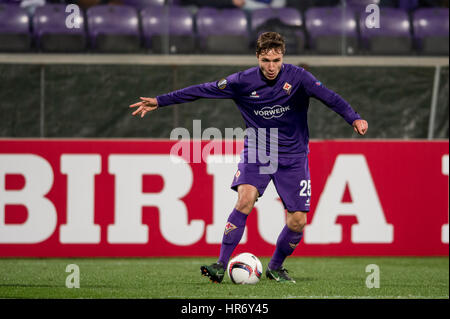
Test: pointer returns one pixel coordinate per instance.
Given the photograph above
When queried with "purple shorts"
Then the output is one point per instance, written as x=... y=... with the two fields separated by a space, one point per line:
x=291 y=179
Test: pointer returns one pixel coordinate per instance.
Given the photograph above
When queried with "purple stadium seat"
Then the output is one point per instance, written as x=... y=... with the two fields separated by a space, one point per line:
x=140 y=4
x=262 y=19
x=222 y=31
x=393 y=36
x=113 y=28
x=361 y=5
x=14 y=29
x=289 y=16
x=17 y=2
x=172 y=24
x=332 y=29
x=431 y=30
x=51 y=32
x=408 y=4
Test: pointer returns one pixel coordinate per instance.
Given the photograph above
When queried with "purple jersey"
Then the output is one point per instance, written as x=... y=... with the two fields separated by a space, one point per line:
x=281 y=103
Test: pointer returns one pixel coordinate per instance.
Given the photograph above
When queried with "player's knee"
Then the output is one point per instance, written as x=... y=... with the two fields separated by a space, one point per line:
x=245 y=204
x=297 y=222
x=297 y=227
x=247 y=196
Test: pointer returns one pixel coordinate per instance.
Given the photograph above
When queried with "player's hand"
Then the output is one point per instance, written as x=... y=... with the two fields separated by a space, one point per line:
x=360 y=126
x=147 y=104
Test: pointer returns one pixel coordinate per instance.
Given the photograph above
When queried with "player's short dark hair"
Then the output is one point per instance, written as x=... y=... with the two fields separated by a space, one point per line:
x=270 y=41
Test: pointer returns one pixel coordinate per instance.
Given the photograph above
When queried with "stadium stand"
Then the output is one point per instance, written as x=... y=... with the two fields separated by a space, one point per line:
x=51 y=33
x=287 y=21
x=17 y=2
x=332 y=30
x=360 y=5
x=177 y=22
x=14 y=29
x=394 y=38
x=141 y=4
x=431 y=31
x=218 y=4
x=408 y=4
x=169 y=27
x=289 y=16
x=222 y=31
x=114 y=28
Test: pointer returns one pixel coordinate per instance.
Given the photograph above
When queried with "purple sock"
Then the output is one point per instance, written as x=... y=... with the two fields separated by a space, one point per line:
x=234 y=229
x=286 y=243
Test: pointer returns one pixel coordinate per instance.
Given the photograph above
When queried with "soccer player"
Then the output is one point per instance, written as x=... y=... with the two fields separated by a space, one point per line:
x=271 y=95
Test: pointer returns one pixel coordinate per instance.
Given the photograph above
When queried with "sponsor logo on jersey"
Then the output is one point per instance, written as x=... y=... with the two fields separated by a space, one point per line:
x=287 y=87
x=318 y=83
x=293 y=246
x=222 y=84
x=254 y=95
x=229 y=227
x=269 y=112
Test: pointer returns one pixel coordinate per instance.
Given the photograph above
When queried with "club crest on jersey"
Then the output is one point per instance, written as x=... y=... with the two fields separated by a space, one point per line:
x=287 y=87
x=229 y=227
x=222 y=84
x=238 y=173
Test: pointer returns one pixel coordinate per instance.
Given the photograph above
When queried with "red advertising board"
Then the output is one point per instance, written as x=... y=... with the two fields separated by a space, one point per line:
x=95 y=198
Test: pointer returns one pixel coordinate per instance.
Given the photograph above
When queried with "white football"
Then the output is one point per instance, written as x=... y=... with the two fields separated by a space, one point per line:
x=245 y=269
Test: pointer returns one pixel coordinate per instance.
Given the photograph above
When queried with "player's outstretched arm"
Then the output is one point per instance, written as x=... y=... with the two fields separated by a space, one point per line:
x=360 y=126
x=221 y=89
x=147 y=104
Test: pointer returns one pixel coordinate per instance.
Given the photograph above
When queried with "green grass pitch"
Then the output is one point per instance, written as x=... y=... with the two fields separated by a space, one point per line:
x=317 y=278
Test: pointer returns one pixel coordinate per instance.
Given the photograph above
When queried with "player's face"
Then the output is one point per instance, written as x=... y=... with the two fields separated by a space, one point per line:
x=270 y=63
